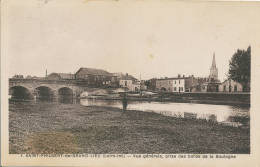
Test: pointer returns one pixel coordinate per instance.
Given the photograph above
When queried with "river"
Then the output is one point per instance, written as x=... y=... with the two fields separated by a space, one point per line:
x=224 y=114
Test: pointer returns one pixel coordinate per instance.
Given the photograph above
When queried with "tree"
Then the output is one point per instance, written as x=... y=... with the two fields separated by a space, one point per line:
x=240 y=68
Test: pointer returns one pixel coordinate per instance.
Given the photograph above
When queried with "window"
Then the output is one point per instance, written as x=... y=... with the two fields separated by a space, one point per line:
x=179 y=81
x=224 y=88
x=125 y=83
x=175 y=89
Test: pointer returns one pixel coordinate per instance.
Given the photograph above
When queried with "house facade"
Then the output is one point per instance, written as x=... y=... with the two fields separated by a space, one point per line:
x=94 y=77
x=178 y=84
x=129 y=82
x=171 y=84
x=230 y=86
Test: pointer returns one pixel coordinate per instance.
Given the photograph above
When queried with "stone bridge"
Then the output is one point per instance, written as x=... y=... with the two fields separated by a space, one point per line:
x=43 y=88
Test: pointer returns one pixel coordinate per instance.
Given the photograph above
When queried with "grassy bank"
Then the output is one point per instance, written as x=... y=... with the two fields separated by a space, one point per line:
x=52 y=128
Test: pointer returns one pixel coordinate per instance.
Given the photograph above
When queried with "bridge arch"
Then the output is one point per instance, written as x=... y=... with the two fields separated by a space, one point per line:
x=65 y=95
x=44 y=93
x=20 y=93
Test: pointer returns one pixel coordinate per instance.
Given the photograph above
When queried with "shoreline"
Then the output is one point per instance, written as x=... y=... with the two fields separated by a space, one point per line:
x=196 y=101
x=213 y=102
x=224 y=124
x=104 y=130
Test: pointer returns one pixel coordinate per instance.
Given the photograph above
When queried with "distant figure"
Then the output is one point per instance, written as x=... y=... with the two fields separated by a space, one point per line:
x=149 y=98
x=124 y=102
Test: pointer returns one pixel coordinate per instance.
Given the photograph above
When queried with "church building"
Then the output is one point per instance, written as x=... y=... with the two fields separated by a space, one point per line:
x=213 y=76
x=213 y=82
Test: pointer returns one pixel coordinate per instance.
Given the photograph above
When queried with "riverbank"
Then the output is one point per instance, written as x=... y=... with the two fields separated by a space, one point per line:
x=177 y=100
x=221 y=98
x=63 y=128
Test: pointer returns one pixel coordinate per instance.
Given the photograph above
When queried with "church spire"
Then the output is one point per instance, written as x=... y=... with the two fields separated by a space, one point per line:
x=213 y=69
x=214 y=61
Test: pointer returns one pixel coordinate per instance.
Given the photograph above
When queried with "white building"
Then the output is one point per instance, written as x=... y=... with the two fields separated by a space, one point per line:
x=230 y=86
x=171 y=84
x=129 y=82
x=178 y=84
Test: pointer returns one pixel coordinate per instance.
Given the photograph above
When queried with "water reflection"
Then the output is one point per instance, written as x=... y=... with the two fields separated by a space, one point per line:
x=225 y=114
x=213 y=118
x=235 y=115
x=66 y=100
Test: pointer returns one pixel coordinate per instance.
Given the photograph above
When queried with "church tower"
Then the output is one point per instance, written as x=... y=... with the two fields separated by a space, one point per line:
x=213 y=70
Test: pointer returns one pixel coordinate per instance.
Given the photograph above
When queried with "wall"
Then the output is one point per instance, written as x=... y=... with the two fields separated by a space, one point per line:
x=135 y=87
x=171 y=85
x=230 y=83
x=127 y=85
x=190 y=82
x=54 y=76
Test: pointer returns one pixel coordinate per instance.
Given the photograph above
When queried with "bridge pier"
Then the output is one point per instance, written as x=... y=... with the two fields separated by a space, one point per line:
x=46 y=89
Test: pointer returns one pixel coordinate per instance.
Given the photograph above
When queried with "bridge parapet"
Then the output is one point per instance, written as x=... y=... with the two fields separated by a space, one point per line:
x=18 y=80
x=32 y=85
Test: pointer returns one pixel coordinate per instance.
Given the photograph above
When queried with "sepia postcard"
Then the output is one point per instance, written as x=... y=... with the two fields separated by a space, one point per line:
x=130 y=83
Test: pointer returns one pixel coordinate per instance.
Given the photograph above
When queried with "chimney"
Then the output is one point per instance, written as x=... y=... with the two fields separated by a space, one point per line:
x=179 y=75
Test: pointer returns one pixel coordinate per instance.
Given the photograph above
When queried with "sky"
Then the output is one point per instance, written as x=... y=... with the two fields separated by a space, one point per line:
x=143 y=38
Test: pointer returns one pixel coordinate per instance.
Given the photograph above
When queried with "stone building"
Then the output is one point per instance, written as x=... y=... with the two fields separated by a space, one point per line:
x=94 y=77
x=200 y=85
x=210 y=84
x=129 y=82
x=178 y=84
x=59 y=76
x=230 y=85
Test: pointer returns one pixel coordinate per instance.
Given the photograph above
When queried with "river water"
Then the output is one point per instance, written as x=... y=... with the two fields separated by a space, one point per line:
x=224 y=114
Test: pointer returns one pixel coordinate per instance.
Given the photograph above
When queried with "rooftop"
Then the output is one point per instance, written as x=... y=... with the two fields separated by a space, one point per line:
x=128 y=77
x=93 y=71
x=175 y=78
x=64 y=75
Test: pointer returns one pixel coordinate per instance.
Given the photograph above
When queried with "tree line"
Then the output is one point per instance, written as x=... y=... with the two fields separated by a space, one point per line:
x=240 y=68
